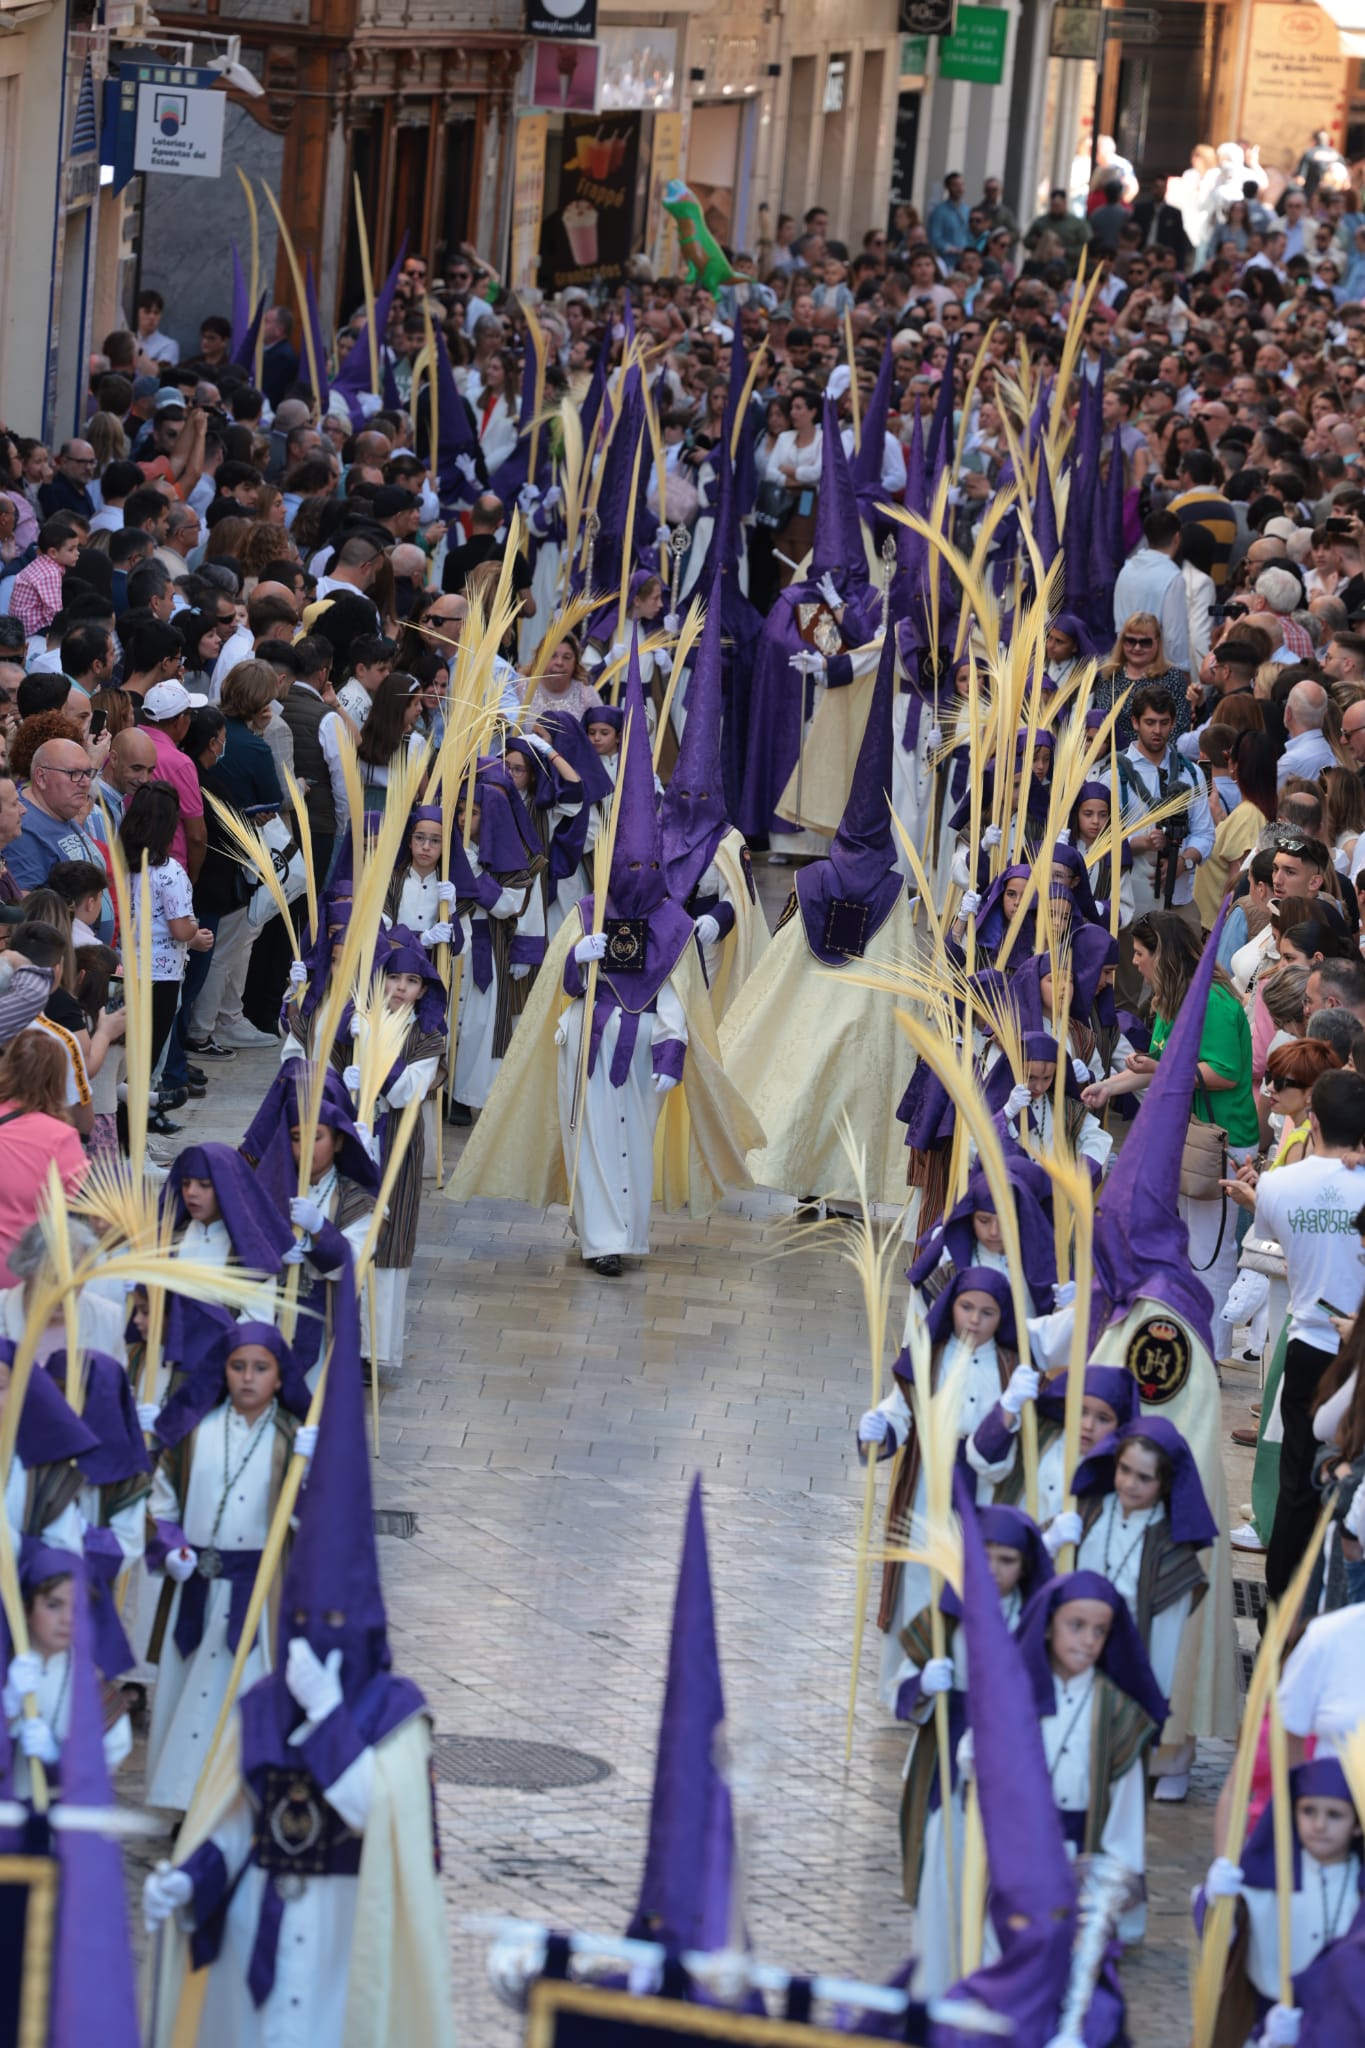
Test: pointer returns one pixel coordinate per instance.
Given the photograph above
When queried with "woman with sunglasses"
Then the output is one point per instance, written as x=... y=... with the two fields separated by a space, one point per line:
x=1139 y=659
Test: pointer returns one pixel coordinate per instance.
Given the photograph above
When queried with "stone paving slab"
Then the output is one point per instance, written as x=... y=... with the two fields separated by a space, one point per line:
x=544 y=1432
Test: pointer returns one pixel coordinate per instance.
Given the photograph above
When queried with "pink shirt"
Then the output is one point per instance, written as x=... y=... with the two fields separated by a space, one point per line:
x=28 y=1144
x=176 y=768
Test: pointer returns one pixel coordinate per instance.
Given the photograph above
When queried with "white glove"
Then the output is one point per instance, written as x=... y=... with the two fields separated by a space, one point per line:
x=520 y=971
x=554 y=496
x=316 y=1686
x=664 y=1084
x=562 y=1030
x=180 y=1564
x=528 y=497
x=1282 y=2025
x=1224 y=1880
x=933 y=739
x=438 y=935
x=593 y=947
x=708 y=931
x=1017 y=1099
x=306 y=1440
x=874 y=1427
x=1063 y=1529
x=445 y=893
x=306 y=1214
x=672 y=622
x=1064 y=836
x=147 y=1413
x=970 y=904
x=937 y=1675
x=467 y=467
x=1023 y=1387
x=966 y=1765
x=1084 y=1077
x=355 y=1025
x=992 y=836
x=351 y=1080
x=618 y=651
x=24 y=1673
x=37 y=1740
x=368 y=1140
x=538 y=741
x=298 y=974
x=295 y=1256
x=162 y=1893
x=1064 y=1294
x=1058 y=2040
x=810 y=664
x=829 y=590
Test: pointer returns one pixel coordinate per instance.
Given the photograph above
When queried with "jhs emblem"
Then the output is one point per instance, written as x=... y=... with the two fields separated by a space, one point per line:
x=1159 y=1359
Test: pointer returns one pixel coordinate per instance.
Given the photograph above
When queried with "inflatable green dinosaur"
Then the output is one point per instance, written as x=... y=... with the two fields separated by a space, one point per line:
x=701 y=251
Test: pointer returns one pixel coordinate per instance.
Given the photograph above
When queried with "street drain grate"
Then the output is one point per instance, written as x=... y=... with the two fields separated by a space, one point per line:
x=513 y=1766
x=1248 y=1599
x=395 y=1522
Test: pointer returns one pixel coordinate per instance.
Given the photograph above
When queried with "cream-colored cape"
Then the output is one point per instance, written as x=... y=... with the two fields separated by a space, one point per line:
x=1204 y=1697
x=705 y=1128
x=807 y=1046
x=399 y=1986
x=743 y=948
x=833 y=738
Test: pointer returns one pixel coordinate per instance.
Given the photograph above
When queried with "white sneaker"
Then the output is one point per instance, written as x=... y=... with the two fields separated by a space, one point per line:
x=1174 y=1787
x=244 y=1036
x=1245 y=1537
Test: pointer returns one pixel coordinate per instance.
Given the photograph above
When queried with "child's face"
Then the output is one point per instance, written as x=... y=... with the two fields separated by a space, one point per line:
x=1325 y=1827
x=519 y=768
x=253 y=1380
x=986 y=1230
x=1012 y=895
x=138 y=1312
x=1091 y=819
x=403 y=990
x=1040 y=1075
x=425 y=848
x=370 y=674
x=604 y=739
x=475 y=821
x=1137 y=1478
x=1007 y=1566
x=50 y=1618
x=976 y=1316
x=1098 y=1421
x=324 y=1149
x=200 y=1199
x=1076 y=1636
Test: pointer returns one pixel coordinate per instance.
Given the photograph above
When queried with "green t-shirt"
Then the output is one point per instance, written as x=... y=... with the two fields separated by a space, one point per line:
x=1225 y=1045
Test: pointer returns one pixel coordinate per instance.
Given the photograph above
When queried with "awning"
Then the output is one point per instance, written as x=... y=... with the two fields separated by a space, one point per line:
x=1349 y=16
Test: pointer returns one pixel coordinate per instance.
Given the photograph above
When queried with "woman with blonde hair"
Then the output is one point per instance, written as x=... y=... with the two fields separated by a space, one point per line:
x=105 y=434
x=262 y=544
x=1139 y=659
x=561 y=684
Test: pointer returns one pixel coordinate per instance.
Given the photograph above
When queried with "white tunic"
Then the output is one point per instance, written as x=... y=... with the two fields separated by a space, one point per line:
x=475 y=1067
x=980 y=1394
x=614 y=1139
x=1066 y=1742
x=419 y=905
x=53 y=1695
x=1322 y=1909
x=1113 y=1546
x=306 y=2007
x=191 y=1691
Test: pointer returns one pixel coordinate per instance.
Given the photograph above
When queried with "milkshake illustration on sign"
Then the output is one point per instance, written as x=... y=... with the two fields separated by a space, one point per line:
x=580 y=225
x=568 y=64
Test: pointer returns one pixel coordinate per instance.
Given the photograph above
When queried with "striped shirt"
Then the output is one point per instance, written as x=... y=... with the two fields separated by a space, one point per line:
x=1207 y=508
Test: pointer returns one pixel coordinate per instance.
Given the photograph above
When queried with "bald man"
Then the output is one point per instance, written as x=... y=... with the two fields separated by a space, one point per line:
x=131 y=762
x=1308 y=752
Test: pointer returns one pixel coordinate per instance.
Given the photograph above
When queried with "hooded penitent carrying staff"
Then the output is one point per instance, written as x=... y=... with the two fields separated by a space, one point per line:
x=647 y=968
x=705 y=862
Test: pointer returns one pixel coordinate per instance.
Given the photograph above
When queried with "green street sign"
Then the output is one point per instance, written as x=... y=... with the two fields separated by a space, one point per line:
x=976 y=49
x=914 y=56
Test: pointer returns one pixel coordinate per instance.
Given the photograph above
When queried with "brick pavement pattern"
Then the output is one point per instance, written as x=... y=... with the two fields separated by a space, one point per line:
x=544 y=1432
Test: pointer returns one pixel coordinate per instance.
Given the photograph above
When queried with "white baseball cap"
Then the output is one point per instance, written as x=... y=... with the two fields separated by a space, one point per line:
x=167 y=700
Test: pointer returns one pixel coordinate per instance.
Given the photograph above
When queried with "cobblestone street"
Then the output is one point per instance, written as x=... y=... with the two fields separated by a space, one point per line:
x=543 y=1435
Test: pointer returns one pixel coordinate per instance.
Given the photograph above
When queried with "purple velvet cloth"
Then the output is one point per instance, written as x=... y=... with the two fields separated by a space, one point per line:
x=694 y=818
x=260 y=1235
x=976 y=1280
x=110 y=1411
x=1187 y=1511
x=861 y=865
x=1123 y=1658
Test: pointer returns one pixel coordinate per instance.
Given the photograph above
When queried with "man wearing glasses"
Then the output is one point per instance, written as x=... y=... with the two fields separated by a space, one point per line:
x=69 y=488
x=55 y=804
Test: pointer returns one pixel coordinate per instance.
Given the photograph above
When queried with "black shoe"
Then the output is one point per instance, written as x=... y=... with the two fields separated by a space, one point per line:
x=197 y=1089
x=209 y=1049
x=197 y=1076
x=459 y=1113
x=172 y=1098
x=161 y=1126
x=610 y=1264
